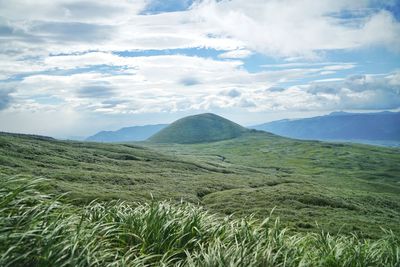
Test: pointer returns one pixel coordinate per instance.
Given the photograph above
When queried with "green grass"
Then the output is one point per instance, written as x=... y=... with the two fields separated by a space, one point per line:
x=38 y=230
x=344 y=188
x=201 y=128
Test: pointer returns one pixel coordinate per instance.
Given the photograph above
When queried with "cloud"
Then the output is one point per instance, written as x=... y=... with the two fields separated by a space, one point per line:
x=6 y=30
x=359 y=92
x=337 y=67
x=161 y=83
x=291 y=28
x=275 y=28
x=275 y=89
x=87 y=11
x=189 y=81
x=240 y=53
x=71 y=32
x=246 y=103
x=5 y=98
x=112 y=103
x=231 y=93
x=62 y=27
x=12 y=66
x=373 y=34
x=144 y=84
x=95 y=91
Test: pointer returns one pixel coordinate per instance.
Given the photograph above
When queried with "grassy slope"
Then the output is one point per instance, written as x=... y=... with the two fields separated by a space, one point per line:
x=355 y=187
x=198 y=129
x=37 y=230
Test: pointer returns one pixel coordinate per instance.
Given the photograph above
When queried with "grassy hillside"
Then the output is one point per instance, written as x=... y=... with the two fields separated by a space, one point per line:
x=38 y=230
x=347 y=188
x=201 y=128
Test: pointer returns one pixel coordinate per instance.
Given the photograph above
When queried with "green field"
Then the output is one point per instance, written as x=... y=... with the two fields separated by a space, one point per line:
x=38 y=230
x=344 y=188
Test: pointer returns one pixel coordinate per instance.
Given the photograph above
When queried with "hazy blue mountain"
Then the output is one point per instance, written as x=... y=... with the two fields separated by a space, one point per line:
x=135 y=133
x=343 y=126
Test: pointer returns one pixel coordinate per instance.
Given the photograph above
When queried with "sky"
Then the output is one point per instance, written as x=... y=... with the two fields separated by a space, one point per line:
x=75 y=67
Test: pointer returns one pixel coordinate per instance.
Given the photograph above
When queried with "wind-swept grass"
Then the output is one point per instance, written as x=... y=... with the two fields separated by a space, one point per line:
x=353 y=188
x=38 y=230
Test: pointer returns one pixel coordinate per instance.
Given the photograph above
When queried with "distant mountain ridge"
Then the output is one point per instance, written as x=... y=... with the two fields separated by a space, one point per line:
x=383 y=126
x=135 y=133
x=200 y=128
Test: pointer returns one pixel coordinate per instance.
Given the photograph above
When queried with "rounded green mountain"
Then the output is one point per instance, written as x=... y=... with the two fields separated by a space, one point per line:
x=200 y=128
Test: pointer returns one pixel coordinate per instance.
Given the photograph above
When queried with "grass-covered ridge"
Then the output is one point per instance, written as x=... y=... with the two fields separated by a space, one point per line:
x=38 y=230
x=200 y=128
x=344 y=188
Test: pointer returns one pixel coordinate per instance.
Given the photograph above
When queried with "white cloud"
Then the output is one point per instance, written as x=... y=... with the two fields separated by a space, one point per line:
x=394 y=78
x=86 y=11
x=150 y=84
x=381 y=29
x=344 y=65
x=358 y=92
x=240 y=53
x=5 y=98
x=80 y=26
x=181 y=83
x=293 y=28
x=11 y=66
x=339 y=67
x=286 y=28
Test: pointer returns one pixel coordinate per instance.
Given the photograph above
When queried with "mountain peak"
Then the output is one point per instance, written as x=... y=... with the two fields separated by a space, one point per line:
x=201 y=128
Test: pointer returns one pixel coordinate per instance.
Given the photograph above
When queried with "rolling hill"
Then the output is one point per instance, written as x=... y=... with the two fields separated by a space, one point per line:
x=344 y=187
x=382 y=126
x=200 y=128
x=135 y=133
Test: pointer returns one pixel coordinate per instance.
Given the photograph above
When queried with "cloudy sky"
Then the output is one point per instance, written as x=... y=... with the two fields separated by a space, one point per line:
x=74 y=67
